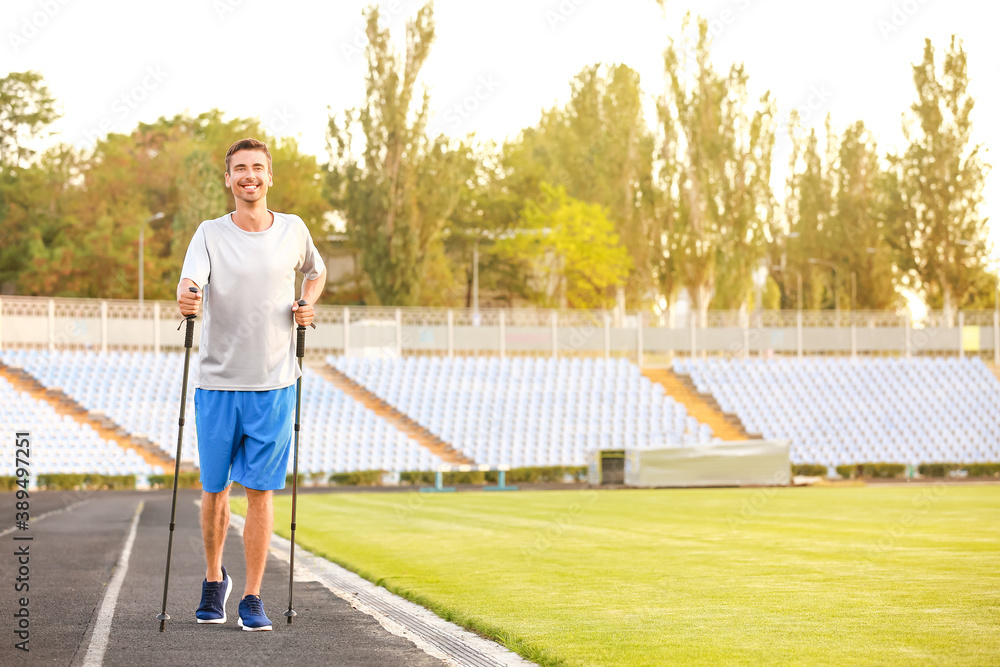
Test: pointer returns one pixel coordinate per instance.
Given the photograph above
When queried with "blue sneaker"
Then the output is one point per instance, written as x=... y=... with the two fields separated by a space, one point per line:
x=252 y=617
x=214 y=595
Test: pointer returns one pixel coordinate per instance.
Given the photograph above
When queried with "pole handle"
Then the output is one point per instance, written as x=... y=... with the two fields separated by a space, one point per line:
x=189 y=320
x=303 y=302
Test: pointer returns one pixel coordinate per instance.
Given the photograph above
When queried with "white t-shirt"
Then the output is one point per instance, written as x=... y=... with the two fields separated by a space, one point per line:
x=248 y=285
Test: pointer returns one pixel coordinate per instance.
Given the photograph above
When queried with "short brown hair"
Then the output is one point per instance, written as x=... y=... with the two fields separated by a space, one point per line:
x=248 y=144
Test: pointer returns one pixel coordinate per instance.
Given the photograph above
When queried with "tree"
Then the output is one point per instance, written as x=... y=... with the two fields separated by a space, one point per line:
x=26 y=188
x=577 y=257
x=396 y=196
x=808 y=211
x=721 y=176
x=39 y=208
x=859 y=228
x=81 y=215
x=600 y=149
x=836 y=213
x=488 y=208
x=941 y=229
x=26 y=109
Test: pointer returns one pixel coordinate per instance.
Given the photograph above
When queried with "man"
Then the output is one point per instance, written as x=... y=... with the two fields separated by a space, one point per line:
x=243 y=266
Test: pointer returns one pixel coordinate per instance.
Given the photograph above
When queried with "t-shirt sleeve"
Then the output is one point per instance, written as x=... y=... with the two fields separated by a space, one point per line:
x=197 y=264
x=310 y=263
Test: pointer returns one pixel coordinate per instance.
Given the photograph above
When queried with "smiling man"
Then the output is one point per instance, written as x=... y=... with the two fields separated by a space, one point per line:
x=243 y=266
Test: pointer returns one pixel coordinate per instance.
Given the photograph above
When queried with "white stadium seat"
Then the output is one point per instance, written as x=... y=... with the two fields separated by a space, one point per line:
x=840 y=411
x=528 y=411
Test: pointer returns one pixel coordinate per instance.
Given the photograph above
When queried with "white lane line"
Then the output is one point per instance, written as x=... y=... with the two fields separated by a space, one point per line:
x=47 y=515
x=102 y=628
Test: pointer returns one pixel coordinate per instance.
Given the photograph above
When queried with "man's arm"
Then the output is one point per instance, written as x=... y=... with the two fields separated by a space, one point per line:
x=189 y=302
x=311 y=291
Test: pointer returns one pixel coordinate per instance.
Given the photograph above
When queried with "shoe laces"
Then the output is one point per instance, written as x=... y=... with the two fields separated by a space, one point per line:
x=209 y=592
x=254 y=605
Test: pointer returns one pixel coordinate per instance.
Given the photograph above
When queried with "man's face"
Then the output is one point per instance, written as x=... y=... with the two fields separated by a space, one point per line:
x=249 y=176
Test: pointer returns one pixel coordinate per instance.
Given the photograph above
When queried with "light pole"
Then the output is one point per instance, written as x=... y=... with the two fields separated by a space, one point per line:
x=798 y=310
x=142 y=253
x=475 y=276
x=833 y=267
x=798 y=280
x=854 y=291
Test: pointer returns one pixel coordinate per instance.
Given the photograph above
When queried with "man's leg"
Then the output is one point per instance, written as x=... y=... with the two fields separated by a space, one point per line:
x=257 y=537
x=214 y=524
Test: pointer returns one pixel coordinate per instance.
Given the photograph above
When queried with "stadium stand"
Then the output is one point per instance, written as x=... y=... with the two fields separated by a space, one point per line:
x=528 y=411
x=842 y=411
x=538 y=411
x=140 y=391
x=61 y=445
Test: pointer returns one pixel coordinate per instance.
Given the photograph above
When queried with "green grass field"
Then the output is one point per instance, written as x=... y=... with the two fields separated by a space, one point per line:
x=836 y=575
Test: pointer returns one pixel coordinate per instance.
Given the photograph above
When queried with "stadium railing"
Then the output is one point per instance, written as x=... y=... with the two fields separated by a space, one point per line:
x=102 y=325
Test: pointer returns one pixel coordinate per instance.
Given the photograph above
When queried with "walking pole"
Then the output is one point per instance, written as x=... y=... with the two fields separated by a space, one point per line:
x=300 y=350
x=162 y=617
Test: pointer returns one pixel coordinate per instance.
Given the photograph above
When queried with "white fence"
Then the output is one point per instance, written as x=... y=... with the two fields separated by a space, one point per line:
x=43 y=323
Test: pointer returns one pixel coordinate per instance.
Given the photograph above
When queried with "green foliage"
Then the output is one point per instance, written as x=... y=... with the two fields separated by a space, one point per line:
x=941 y=231
x=689 y=205
x=983 y=469
x=489 y=207
x=872 y=470
x=530 y=475
x=31 y=205
x=26 y=109
x=600 y=149
x=837 y=212
x=398 y=194
x=187 y=480
x=74 y=219
x=972 y=469
x=8 y=483
x=546 y=474
x=358 y=478
x=716 y=176
x=92 y=482
x=576 y=256
x=810 y=469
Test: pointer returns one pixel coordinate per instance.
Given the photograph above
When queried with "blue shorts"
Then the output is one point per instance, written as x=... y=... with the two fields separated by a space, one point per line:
x=244 y=436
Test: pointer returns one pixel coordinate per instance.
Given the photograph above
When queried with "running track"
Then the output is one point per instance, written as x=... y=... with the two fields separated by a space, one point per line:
x=73 y=553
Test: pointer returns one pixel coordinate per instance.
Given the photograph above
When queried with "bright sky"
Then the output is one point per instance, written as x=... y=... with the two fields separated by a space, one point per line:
x=494 y=66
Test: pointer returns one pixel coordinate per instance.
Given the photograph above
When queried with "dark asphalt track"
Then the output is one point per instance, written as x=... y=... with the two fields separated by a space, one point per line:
x=72 y=556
